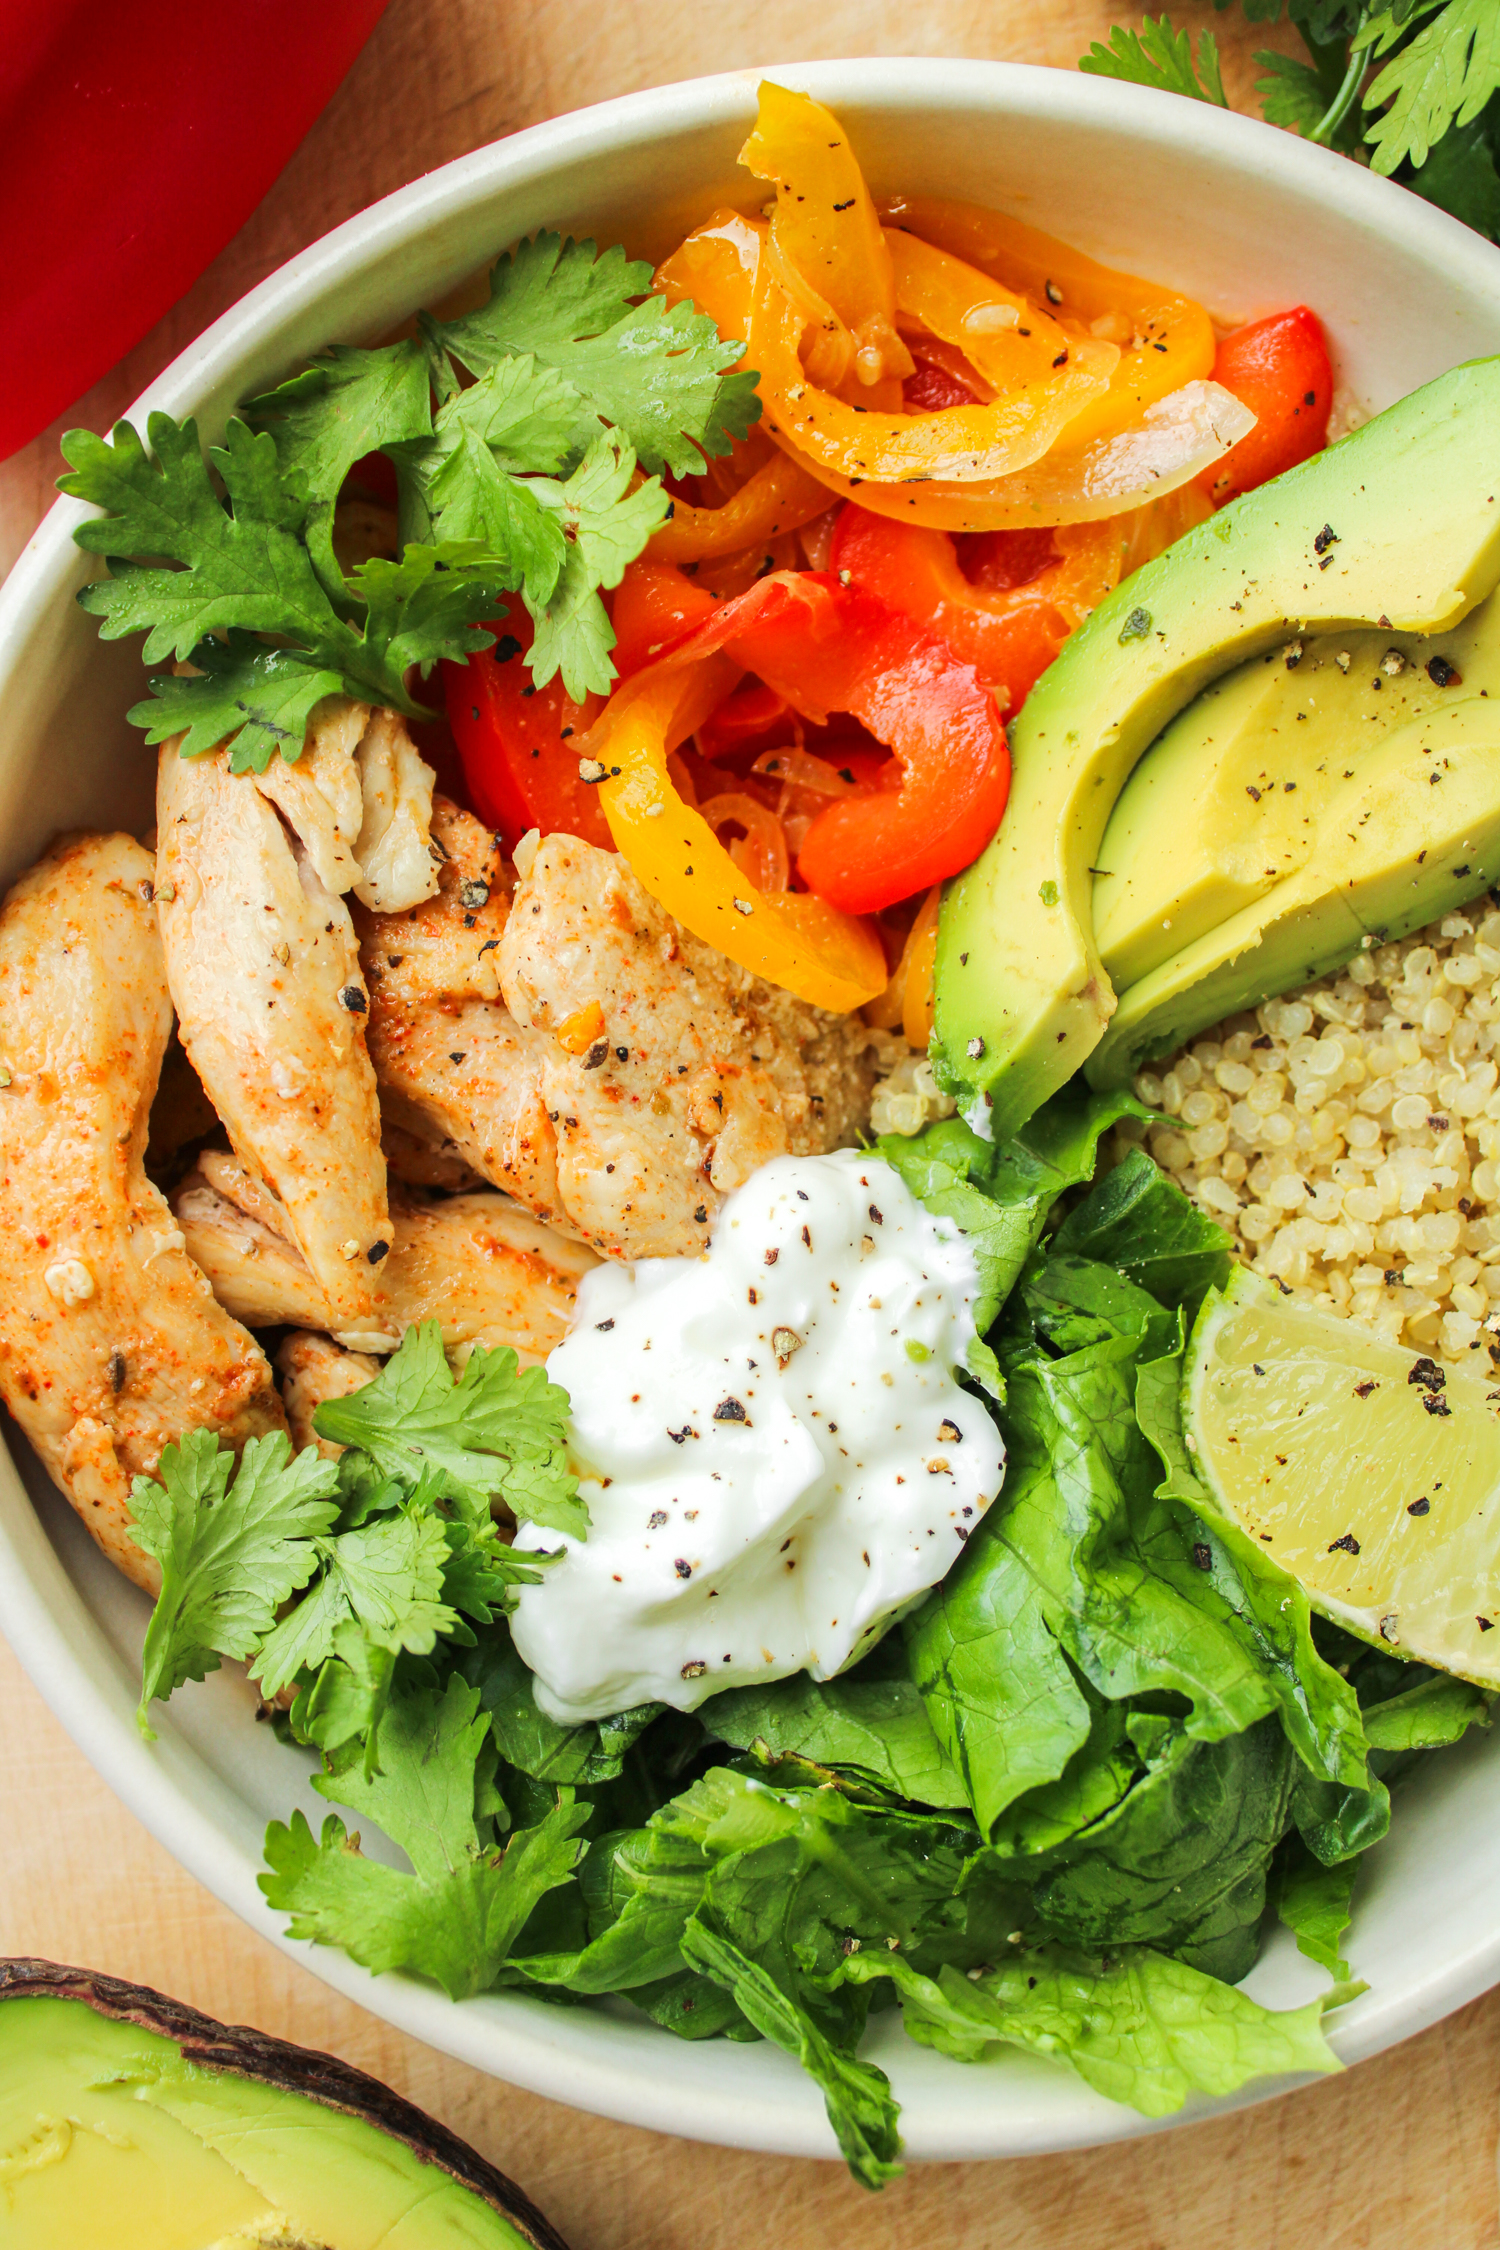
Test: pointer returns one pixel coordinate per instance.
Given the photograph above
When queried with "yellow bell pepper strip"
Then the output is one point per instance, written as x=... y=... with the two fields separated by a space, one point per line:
x=1006 y=339
x=780 y=497
x=1167 y=340
x=718 y=267
x=826 y=241
x=796 y=942
x=842 y=445
x=1177 y=439
x=907 y=1001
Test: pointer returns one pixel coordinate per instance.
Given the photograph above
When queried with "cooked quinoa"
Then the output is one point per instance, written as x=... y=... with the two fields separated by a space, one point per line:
x=1348 y=1135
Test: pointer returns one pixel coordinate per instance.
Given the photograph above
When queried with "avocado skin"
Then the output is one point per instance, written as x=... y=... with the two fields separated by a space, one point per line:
x=1022 y=998
x=241 y=2052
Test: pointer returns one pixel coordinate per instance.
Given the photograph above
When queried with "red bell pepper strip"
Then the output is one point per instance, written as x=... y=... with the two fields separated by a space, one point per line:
x=519 y=743
x=824 y=646
x=1279 y=368
x=137 y=141
x=654 y=603
x=1009 y=636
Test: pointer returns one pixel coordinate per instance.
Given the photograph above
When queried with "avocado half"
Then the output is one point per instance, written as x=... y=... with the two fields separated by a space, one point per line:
x=1396 y=528
x=130 y=2122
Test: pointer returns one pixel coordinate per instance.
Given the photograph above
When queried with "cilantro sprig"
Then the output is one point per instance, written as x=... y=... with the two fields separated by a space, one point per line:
x=527 y=437
x=457 y=1915
x=322 y=1575
x=1410 y=86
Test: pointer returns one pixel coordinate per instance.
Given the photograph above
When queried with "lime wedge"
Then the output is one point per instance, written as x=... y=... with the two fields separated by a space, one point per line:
x=1370 y=1474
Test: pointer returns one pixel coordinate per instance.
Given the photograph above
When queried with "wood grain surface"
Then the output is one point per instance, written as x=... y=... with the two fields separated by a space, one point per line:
x=1399 y=2154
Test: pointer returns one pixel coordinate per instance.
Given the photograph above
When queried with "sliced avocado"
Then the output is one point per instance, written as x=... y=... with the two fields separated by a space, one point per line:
x=1229 y=800
x=128 y=2122
x=1397 y=526
x=1417 y=831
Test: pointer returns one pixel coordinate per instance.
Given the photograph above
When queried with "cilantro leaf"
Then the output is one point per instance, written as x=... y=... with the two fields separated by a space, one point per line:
x=387 y=1575
x=1442 y=78
x=345 y=404
x=263 y=697
x=1158 y=56
x=230 y=1554
x=659 y=377
x=606 y=526
x=456 y=1916
x=248 y=568
x=1293 y=94
x=497 y=1429
x=346 y=1699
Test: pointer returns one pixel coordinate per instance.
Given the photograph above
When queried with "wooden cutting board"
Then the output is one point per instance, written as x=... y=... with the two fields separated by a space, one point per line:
x=1399 y=2154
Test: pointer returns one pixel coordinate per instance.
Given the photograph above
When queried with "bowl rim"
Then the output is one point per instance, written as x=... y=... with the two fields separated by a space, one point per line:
x=42 y=1614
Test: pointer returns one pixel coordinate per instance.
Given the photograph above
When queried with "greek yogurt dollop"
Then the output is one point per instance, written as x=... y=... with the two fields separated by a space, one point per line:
x=774 y=1451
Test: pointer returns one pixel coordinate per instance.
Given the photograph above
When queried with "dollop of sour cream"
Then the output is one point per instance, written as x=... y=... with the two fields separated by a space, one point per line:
x=774 y=1450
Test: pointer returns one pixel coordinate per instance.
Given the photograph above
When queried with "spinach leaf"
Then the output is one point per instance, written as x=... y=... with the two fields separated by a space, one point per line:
x=574 y=1757
x=1001 y=1196
x=1181 y=1862
x=874 y=1727
x=1139 y=1221
x=1428 y=1716
x=1314 y=1903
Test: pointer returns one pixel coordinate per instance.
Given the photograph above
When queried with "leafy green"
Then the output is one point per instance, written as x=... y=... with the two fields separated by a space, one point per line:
x=857 y=2095
x=1314 y=1903
x=1181 y=1861
x=1440 y=79
x=343 y=405
x=1411 y=82
x=229 y=1554
x=524 y=481
x=1140 y=2028
x=1139 y=1221
x=658 y=377
x=1460 y=177
x=497 y=1428
x=388 y=1575
x=1001 y=1196
x=1156 y=55
x=245 y=566
x=581 y=1756
x=457 y=1914
x=1436 y=1712
x=872 y=1727
x=1097 y=1579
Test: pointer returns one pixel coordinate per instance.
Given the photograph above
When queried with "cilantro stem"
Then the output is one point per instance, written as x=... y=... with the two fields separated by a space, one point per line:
x=1344 y=100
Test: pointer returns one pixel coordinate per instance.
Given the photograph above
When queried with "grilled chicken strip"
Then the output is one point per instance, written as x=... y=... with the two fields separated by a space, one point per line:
x=270 y=1005
x=488 y=1271
x=314 y=1368
x=456 y=1072
x=580 y=1049
x=111 y=1343
x=264 y=970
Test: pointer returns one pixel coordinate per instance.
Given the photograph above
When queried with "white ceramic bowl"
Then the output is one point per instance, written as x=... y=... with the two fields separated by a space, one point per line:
x=1246 y=219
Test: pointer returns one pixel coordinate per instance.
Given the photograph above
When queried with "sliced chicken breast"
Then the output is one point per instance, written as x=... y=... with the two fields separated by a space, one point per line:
x=313 y=1368
x=456 y=1072
x=580 y=1049
x=484 y=1268
x=265 y=977
x=111 y=1342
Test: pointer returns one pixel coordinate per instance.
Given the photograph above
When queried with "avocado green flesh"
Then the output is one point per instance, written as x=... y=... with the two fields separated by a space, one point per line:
x=1022 y=996
x=1232 y=798
x=1414 y=835
x=109 y=2139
